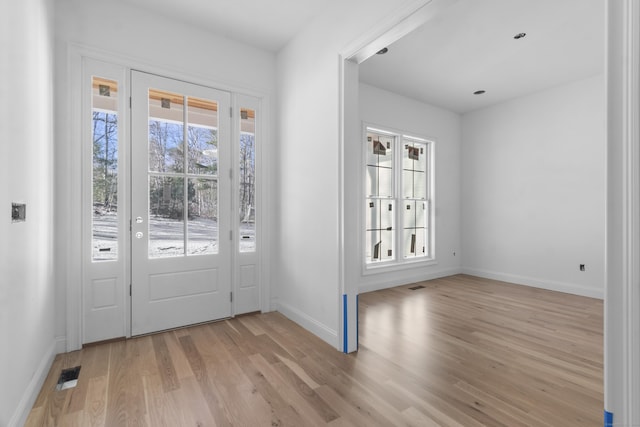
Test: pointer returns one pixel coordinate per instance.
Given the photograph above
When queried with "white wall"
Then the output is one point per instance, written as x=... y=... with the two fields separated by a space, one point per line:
x=533 y=189
x=26 y=148
x=307 y=268
x=386 y=109
x=152 y=43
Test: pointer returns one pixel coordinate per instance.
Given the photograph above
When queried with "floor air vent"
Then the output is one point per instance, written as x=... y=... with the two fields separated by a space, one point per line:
x=415 y=288
x=68 y=378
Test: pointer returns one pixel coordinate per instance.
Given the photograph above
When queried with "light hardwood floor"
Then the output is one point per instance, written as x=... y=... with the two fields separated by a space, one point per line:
x=462 y=351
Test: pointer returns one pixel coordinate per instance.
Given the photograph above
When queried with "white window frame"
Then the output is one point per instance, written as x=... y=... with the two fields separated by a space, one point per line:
x=398 y=261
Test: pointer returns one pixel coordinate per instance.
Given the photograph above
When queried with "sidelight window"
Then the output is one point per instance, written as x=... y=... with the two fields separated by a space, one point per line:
x=247 y=180
x=104 y=115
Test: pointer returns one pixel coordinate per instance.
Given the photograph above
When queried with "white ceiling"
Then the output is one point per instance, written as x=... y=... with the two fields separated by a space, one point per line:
x=468 y=47
x=267 y=24
x=471 y=47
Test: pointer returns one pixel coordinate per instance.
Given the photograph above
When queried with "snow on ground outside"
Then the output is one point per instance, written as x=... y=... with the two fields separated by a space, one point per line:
x=166 y=237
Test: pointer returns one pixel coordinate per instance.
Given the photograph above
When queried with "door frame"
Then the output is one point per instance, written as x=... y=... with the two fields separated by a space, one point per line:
x=407 y=19
x=71 y=271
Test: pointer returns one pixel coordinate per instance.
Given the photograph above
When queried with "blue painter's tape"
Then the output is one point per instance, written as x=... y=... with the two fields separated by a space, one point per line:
x=608 y=419
x=345 y=343
x=357 y=321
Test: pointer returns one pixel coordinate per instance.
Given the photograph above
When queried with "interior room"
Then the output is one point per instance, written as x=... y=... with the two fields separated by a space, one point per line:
x=524 y=114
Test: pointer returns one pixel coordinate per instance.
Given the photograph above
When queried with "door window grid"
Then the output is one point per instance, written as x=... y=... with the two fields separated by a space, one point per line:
x=397 y=180
x=183 y=175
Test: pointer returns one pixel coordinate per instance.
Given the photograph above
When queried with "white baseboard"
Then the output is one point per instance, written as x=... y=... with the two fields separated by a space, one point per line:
x=312 y=325
x=273 y=304
x=61 y=345
x=392 y=283
x=31 y=393
x=568 y=288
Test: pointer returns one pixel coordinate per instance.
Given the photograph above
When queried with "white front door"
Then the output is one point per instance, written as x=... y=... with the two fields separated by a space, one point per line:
x=181 y=203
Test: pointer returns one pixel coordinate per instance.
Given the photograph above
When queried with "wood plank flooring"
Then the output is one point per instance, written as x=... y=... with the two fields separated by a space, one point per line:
x=462 y=351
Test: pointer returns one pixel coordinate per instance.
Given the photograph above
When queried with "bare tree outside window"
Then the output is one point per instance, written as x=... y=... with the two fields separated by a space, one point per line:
x=105 y=185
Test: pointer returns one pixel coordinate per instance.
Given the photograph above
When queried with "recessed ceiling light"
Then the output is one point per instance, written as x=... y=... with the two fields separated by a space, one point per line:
x=519 y=36
x=479 y=92
x=383 y=51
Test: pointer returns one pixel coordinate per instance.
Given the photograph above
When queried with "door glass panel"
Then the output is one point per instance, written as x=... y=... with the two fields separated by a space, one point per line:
x=247 y=181
x=174 y=164
x=202 y=136
x=166 y=216
x=166 y=131
x=203 y=217
x=104 y=103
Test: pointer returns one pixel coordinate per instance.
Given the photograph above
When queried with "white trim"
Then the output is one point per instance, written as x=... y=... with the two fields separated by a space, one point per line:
x=567 y=288
x=414 y=278
x=61 y=345
x=398 y=25
x=73 y=140
x=309 y=323
x=341 y=252
x=97 y=325
x=239 y=101
x=264 y=196
x=392 y=27
x=134 y=63
x=632 y=285
x=33 y=389
x=347 y=115
x=622 y=302
x=398 y=262
x=391 y=266
x=273 y=304
x=72 y=134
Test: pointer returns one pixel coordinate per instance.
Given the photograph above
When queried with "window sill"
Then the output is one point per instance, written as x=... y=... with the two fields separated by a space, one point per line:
x=391 y=266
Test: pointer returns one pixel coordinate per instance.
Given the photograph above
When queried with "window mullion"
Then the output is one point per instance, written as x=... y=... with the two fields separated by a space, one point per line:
x=185 y=168
x=398 y=197
x=397 y=179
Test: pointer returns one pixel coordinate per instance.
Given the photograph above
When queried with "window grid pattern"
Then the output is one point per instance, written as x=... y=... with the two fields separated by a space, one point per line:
x=104 y=132
x=380 y=230
x=397 y=182
x=247 y=181
x=414 y=191
x=183 y=175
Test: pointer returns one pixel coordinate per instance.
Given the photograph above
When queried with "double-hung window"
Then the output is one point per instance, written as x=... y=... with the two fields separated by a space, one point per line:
x=398 y=198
